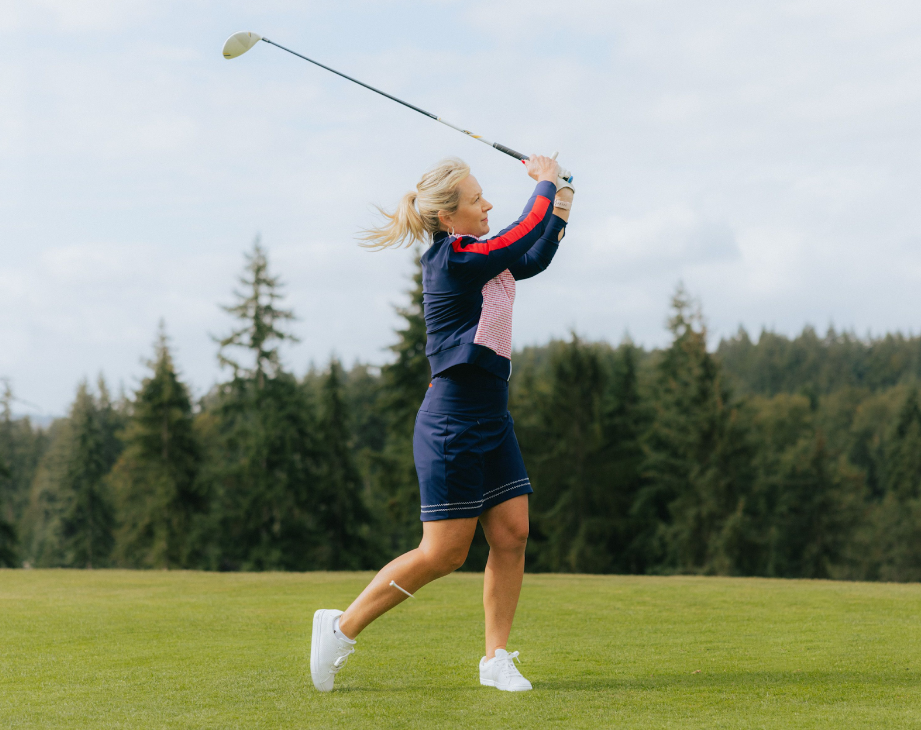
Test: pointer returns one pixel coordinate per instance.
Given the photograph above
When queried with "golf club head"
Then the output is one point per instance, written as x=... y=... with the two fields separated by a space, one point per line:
x=240 y=43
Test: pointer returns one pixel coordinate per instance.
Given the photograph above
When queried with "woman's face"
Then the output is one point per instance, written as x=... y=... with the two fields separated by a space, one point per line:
x=471 y=217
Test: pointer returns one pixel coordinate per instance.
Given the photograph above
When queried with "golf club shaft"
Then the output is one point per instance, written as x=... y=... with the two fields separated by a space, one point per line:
x=502 y=148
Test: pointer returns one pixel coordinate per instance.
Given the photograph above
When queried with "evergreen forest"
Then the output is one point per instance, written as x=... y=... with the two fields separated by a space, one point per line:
x=785 y=457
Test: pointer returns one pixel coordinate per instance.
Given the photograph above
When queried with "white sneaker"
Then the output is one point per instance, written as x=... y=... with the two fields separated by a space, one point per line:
x=328 y=653
x=500 y=672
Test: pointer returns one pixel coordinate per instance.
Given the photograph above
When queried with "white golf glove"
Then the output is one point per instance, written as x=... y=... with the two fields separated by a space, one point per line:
x=564 y=179
x=562 y=182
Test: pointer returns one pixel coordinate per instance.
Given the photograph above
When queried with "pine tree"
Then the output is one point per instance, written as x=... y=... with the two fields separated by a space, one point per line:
x=41 y=522
x=262 y=462
x=154 y=479
x=896 y=535
x=257 y=309
x=624 y=422
x=779 y=425
x=8 y=541
x=87 y=519
x=343 y=515
x=112 y=417
x=21 y=448
x=814 y=508
x=567 y=469
x=903 y=452
x=262 y=470
x=578 y=419
x=698 y=458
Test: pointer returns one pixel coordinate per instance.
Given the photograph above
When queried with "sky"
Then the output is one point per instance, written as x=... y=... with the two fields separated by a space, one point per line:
x=765 y=154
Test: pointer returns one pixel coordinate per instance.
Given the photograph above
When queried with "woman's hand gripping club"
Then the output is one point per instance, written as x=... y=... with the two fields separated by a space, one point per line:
x=547 y=168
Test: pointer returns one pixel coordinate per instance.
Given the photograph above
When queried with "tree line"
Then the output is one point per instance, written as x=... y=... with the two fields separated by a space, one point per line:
x=785 y=457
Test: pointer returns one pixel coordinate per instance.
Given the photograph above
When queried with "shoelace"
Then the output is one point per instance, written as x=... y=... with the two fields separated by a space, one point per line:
x=342 y=658
x=508 y=667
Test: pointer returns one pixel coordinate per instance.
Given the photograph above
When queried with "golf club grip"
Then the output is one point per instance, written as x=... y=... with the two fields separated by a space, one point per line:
x=510 y=151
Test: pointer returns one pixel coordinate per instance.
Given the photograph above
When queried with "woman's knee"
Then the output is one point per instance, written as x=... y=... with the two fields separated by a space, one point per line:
x=450 y=560
x=444 y=559
x=445 y=543
x=510 y=536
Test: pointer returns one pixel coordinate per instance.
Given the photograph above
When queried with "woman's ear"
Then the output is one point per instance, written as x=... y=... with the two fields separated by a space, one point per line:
x=445 y=220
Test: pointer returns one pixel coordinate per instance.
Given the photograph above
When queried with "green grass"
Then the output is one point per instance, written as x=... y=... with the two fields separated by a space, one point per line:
x=117 y=649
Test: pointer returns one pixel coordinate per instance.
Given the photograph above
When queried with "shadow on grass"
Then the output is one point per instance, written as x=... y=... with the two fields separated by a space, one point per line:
x=820 y=681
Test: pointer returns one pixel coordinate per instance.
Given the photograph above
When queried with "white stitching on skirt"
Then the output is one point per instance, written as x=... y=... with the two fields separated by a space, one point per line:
x=490 y=491
x=428 y=507
x=486 y=495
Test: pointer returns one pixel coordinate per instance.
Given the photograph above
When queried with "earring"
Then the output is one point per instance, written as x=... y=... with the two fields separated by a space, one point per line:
x=452 y=230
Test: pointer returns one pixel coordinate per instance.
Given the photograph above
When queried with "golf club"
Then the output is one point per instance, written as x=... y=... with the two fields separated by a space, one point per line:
x=240 y=43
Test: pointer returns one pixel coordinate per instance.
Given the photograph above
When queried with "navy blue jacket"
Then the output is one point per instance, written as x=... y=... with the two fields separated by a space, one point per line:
x=458 y=271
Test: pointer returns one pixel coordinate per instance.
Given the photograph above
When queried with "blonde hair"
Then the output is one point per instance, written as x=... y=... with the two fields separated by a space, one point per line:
x=417 y=213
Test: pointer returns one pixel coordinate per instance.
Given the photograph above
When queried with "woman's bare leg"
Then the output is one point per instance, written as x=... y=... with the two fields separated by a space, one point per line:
x=506 y=530
x=443 y=550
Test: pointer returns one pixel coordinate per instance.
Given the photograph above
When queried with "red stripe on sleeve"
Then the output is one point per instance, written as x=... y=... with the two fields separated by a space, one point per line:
x=521 y=230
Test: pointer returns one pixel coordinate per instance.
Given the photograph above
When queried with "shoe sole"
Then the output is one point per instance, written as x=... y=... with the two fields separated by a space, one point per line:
x=491 y=683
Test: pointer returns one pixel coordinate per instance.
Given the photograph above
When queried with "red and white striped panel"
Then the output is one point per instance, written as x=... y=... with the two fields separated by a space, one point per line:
x=495 y=328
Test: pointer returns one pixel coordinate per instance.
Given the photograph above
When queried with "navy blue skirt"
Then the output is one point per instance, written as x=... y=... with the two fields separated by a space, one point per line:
x=464 y=446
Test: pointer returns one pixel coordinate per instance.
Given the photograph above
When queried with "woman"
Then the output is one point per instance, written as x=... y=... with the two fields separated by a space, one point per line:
x=464 y=446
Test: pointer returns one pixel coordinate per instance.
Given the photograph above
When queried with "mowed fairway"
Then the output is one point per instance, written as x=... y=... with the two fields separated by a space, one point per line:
x=116 y=649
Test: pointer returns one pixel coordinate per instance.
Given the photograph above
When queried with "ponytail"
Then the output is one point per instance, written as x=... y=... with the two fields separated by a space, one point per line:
x=417 y=213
